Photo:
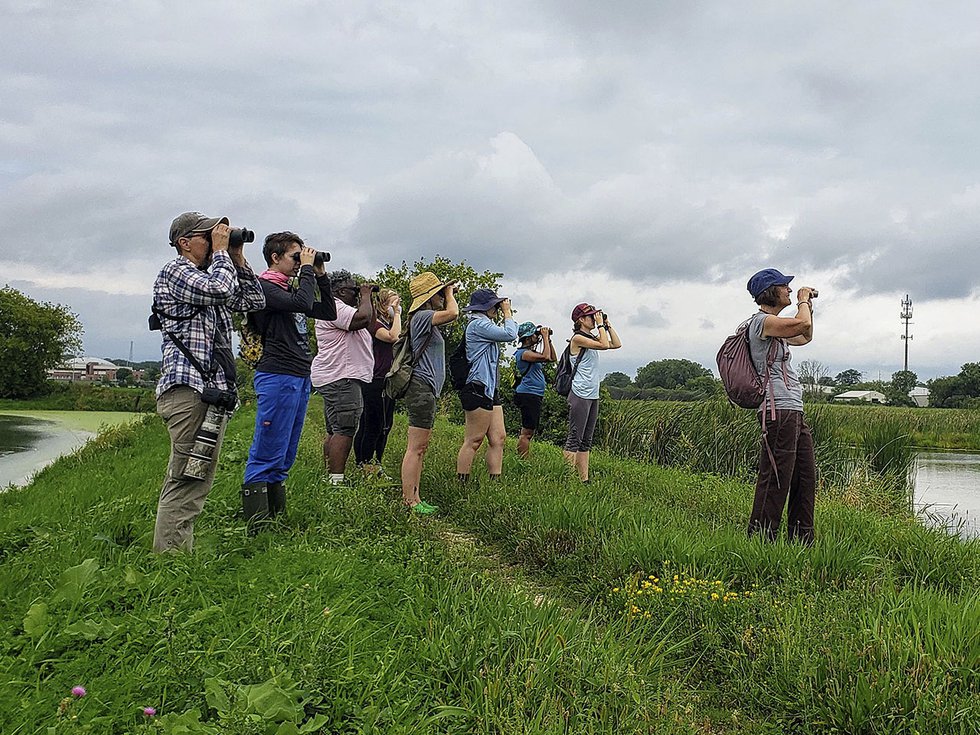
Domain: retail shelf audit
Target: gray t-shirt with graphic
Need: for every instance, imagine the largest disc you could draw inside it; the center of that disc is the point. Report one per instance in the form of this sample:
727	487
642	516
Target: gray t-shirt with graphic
788	393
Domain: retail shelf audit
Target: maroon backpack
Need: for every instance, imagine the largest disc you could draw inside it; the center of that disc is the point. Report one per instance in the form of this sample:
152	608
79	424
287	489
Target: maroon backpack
743	385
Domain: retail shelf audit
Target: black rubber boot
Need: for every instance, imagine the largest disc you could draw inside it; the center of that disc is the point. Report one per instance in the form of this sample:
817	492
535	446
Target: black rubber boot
255	501
277	498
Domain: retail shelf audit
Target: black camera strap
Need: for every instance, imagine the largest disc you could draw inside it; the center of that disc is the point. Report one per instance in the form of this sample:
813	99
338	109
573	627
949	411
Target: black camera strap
221	354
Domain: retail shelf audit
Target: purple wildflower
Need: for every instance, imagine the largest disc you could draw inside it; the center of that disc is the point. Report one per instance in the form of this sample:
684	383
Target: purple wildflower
149	712
78	691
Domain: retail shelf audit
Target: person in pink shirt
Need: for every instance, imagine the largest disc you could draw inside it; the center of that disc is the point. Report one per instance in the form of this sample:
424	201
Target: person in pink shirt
343	364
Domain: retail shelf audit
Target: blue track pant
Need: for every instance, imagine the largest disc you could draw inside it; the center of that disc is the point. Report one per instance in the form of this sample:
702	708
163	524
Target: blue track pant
282	402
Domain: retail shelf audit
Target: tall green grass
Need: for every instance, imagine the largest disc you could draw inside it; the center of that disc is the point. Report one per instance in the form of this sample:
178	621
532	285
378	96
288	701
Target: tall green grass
716	437
511	611
873	630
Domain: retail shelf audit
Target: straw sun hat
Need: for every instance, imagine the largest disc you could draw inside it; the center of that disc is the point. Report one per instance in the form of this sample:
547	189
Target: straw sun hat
423	287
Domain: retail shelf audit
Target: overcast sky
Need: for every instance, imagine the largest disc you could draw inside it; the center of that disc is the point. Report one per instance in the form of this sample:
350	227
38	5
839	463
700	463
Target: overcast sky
645	156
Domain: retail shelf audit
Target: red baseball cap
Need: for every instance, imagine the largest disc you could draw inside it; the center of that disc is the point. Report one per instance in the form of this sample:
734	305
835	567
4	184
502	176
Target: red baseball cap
583	310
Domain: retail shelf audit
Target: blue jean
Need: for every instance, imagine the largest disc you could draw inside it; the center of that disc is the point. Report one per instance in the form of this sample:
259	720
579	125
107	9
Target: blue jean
282	402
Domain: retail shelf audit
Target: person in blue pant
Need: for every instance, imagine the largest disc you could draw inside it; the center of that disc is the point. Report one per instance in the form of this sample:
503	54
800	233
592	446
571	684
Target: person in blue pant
480	396
534	352
282	375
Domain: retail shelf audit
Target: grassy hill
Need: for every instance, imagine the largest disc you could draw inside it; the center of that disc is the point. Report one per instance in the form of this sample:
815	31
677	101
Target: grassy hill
530	605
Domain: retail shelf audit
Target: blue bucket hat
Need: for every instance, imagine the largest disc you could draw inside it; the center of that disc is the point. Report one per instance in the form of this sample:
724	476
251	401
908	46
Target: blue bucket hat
526	329
483	299
766	278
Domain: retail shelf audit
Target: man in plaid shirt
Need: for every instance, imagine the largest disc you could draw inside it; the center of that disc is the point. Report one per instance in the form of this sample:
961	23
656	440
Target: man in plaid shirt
193	296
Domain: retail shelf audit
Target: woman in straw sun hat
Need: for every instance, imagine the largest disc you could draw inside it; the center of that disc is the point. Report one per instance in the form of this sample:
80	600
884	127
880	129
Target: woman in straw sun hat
433	305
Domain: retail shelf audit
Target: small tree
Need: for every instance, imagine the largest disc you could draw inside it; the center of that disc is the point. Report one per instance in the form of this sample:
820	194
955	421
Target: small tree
124	376
617	380
898	390
811	372
670	373
34	337
848	377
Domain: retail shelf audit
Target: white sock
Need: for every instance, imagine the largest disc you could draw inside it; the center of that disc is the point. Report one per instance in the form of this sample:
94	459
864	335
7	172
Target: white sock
337	479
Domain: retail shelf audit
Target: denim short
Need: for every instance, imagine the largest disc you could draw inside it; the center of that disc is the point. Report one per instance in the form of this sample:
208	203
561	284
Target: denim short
342	405
420	404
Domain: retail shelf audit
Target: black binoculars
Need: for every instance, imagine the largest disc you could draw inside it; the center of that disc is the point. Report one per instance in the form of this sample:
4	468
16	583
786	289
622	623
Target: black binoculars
238	236
319	259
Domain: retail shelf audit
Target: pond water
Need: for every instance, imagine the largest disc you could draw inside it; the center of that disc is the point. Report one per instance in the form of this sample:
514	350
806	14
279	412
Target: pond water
947	490
31	440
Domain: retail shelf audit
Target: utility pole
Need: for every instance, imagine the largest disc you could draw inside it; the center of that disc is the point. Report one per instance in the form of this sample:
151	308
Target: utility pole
907	318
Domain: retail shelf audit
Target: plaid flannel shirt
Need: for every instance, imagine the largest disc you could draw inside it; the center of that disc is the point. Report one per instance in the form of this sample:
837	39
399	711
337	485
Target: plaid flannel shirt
181	289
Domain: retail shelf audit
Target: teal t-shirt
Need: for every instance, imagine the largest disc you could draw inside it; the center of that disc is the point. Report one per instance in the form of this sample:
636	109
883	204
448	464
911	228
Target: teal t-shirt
533	372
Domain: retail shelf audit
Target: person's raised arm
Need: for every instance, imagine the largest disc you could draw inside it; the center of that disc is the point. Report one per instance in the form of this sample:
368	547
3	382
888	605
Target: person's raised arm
450	312
491	331
796	330
365	309
392	333
614	341
547	352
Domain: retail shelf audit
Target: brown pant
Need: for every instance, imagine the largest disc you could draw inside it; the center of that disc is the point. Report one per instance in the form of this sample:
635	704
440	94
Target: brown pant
795	476
182	498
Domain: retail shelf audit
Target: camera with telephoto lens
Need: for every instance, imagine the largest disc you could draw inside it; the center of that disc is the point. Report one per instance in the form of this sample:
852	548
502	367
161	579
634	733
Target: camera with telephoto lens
205	442
220	404
223	399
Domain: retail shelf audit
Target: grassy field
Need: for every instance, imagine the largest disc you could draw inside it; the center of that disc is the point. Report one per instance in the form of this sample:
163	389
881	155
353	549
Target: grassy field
530	605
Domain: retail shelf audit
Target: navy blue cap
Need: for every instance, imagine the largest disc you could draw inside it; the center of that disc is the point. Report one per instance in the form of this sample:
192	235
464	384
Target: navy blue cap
766	278
483	299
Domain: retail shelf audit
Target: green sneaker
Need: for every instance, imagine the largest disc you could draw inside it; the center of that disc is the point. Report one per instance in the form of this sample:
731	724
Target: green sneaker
423	509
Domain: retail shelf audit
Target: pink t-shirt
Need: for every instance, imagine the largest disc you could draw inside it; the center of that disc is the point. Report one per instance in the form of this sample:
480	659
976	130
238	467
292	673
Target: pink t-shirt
340	353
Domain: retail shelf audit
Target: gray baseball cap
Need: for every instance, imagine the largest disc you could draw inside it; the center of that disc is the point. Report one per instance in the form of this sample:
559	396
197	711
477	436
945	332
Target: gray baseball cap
190	222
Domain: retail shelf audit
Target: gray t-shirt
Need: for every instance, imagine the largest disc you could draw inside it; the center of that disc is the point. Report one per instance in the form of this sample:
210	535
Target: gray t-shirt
431	365
788	393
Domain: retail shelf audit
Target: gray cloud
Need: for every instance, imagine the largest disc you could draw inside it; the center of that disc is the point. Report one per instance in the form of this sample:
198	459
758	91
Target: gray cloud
670	142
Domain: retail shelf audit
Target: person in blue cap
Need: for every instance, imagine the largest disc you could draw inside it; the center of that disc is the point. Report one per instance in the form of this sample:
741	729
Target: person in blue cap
787	471
535	350
480	396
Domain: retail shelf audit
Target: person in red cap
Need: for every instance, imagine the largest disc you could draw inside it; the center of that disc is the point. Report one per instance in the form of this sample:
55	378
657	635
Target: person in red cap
592	333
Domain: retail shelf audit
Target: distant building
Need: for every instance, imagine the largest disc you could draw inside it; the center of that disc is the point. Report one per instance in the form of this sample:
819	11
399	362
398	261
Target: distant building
920	396
817	388
89	369
868	396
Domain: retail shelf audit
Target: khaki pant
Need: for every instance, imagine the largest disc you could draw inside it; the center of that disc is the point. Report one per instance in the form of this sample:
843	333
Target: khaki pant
181	499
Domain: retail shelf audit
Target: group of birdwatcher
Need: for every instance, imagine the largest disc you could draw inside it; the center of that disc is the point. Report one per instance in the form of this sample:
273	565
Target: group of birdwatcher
366	359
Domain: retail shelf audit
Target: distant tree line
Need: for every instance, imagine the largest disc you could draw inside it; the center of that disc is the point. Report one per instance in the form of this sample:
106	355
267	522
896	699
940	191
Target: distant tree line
665	380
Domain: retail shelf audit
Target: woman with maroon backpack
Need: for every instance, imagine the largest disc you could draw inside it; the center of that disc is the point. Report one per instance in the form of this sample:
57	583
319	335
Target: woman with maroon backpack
592	333
786	465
